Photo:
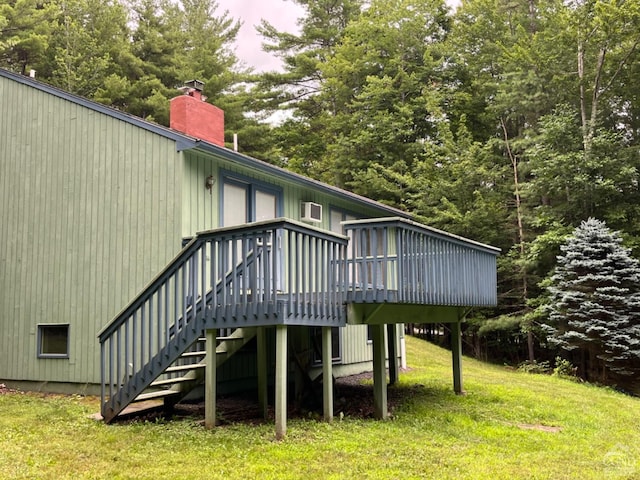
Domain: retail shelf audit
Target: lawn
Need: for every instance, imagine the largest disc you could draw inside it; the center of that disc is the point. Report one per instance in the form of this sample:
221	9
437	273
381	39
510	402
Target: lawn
509	425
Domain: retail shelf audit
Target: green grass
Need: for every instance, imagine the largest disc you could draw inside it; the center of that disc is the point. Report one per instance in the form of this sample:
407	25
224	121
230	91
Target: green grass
509	425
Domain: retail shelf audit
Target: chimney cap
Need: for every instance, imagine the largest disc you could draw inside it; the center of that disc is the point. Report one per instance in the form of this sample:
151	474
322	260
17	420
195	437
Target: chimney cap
195	84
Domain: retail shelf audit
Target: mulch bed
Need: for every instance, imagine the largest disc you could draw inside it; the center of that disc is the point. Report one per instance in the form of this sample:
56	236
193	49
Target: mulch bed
353	397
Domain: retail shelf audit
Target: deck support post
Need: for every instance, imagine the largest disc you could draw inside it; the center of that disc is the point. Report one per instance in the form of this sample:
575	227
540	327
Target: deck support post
210	379
392	339
281	382
261	339
379	373
456	354
327	375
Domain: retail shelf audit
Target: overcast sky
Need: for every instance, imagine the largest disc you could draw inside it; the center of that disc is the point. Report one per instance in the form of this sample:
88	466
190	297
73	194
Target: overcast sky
280	13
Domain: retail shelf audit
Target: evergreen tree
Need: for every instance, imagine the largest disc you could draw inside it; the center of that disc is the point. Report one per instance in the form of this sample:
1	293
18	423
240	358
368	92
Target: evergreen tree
594	302
25	29
87	38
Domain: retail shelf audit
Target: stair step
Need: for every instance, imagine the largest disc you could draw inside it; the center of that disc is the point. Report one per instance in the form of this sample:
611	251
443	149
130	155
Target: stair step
152	395
222	339
183	368
170	381
193	354
225	339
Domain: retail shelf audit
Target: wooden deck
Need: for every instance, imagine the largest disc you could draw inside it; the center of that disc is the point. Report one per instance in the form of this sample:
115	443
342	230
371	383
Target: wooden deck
280	273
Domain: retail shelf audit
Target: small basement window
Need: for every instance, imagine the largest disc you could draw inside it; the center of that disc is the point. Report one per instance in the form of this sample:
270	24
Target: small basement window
53	341
316	345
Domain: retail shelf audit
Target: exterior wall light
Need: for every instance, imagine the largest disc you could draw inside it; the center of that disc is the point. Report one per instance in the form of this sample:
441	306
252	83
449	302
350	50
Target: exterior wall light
209	183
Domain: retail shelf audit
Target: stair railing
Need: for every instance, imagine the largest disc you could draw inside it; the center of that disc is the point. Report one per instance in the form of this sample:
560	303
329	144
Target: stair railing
397	260
264	273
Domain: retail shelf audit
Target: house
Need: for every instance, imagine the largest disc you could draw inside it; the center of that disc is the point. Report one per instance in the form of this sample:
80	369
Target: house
140	261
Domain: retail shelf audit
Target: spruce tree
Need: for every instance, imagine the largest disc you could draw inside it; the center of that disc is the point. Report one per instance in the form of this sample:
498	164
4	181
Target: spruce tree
595	302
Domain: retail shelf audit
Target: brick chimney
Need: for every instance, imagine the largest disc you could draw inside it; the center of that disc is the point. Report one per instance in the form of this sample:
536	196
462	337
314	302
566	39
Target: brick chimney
191	115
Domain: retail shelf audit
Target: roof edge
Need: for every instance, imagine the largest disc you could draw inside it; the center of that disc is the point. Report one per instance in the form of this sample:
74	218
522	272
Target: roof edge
180	138
185	142
247	161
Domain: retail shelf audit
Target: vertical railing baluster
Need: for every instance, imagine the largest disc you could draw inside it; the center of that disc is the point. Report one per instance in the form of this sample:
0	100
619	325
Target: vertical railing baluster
313	261
386	265
237	284
223	265
143	337
449	269
400	269
411	259
183	296
111	367
304	274
246	279
291	254
167	310
275	264
266	264
323	266
342	277
159	320
193	286
374	256
443	262
118	357
152	323
213	275
333	283
103	376
299	279
125	327
203	283
428	262
363	260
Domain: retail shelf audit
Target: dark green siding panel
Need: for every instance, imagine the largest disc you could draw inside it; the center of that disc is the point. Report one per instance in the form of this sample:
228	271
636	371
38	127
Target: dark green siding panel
90	211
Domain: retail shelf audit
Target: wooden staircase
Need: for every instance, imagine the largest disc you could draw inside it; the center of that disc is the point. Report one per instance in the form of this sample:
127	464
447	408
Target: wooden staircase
232	280
187	372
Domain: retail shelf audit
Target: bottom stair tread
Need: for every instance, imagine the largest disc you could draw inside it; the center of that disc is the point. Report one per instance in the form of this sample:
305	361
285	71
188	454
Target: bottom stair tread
170	381
153	395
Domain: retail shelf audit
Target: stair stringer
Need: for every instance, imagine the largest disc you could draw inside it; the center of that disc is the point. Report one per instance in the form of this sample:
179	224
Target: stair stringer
182	334
140	380
225	350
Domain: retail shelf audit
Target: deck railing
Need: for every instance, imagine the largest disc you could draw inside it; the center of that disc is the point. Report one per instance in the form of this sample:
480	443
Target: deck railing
397	260
226	278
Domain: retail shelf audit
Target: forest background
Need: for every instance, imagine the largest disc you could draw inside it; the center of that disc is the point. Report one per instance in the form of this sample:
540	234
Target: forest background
511	122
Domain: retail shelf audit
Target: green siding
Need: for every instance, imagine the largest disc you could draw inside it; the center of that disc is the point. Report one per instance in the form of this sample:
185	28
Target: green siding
90	212
200	211
355	345
91	208
202	207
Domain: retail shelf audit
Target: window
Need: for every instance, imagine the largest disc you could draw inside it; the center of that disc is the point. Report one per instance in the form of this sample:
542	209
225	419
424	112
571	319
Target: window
243	200
316	344
53	341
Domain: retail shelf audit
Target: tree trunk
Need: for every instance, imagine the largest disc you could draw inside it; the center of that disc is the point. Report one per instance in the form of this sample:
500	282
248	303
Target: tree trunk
523	269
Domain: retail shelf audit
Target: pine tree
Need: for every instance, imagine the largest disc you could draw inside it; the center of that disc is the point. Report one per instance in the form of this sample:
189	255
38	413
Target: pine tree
595	302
